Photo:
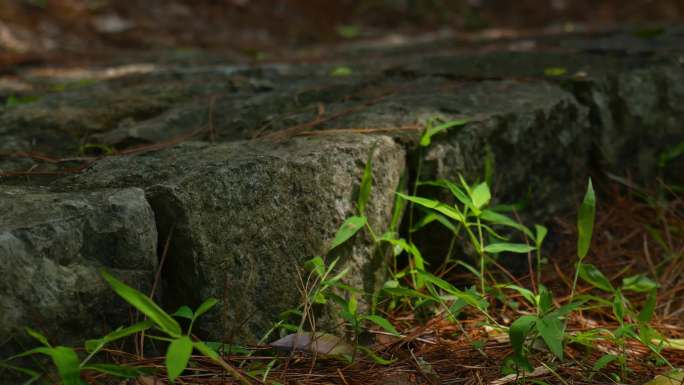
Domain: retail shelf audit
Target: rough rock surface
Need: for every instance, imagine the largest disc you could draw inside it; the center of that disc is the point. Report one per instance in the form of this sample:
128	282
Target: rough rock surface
241	215
52	246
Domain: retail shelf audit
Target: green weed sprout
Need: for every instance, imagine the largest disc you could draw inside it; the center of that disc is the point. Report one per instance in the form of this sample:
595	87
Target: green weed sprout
585	230
475	219
69	366
181	344
67	362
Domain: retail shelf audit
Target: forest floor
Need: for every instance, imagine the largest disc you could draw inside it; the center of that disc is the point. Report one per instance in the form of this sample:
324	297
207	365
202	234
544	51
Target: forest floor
634	234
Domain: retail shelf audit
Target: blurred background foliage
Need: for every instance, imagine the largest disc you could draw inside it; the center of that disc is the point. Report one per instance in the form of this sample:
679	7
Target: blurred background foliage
91	28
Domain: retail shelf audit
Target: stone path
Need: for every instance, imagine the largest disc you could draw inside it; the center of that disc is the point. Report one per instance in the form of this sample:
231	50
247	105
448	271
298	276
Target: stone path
249	171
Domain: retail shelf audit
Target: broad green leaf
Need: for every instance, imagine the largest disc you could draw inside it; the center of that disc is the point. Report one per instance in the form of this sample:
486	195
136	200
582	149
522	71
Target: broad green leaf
481	195
205	306
315	264
431	131
177	356
352	304
639	283
447	210
341	71
68	365
526	293
319	298
646	313
144	304
348	31
456	191
115	370
550	328
585	222
508	247
97	344
545	300
570	307
399	204
541	232
595	277
619	306
603	362
38	336
518	331
183	312
366	183
383	323
499	219
430	217
348	229
555	71
206	350
472	299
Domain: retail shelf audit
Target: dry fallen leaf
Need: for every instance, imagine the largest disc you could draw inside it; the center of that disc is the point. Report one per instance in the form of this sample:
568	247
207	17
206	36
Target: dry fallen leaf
675	377
538	372
320	343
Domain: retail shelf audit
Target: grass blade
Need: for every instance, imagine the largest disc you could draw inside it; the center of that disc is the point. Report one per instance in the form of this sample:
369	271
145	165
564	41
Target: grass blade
481	195
519	248
144	304
431	131
348	229
519	330
595	277
366	184
383	323
177	356
585	221
447	210
551	330
68	365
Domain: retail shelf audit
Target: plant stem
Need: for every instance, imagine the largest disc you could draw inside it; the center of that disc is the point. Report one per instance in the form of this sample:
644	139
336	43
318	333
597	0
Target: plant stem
415	190
574	281
538	267
481	248
482	256
480	253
